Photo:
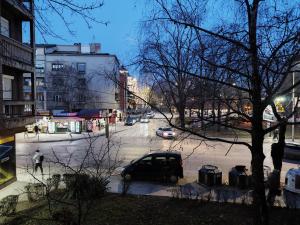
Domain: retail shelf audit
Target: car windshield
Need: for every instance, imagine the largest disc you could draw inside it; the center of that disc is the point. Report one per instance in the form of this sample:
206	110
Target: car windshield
167	129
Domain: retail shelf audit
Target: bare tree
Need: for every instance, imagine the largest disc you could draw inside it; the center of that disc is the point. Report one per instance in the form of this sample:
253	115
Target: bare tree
173	46
252	52
45	10
68	88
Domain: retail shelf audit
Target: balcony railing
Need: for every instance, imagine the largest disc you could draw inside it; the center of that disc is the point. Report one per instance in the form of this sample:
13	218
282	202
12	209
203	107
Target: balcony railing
11	49
22	6
17	114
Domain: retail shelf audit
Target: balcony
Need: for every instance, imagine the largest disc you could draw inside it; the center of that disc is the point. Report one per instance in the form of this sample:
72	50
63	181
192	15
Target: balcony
21	6
15	54
17	114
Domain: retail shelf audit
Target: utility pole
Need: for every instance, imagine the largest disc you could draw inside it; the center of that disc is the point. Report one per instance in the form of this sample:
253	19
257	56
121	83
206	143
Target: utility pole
293	107
108	139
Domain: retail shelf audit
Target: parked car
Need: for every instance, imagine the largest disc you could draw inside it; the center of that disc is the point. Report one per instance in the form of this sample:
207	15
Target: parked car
291	191
165	132
150	115
155	166
129	121
292	151
144	119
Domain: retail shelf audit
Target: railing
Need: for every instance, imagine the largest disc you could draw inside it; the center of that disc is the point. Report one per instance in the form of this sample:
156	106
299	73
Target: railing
21	5
16	51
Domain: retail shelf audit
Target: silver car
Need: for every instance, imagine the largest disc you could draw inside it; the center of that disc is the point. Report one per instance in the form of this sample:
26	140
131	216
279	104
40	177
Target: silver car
165	132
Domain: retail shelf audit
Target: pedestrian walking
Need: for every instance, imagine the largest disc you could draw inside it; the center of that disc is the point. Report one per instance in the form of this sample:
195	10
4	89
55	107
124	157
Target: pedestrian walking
36	130
38	159
275	134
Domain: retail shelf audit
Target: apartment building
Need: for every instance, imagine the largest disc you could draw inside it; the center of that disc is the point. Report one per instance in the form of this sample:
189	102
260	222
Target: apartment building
16	58
132	86
75	77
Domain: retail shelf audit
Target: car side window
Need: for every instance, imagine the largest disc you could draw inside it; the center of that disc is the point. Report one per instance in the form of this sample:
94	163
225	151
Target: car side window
172	160
160	160
146	161
159	129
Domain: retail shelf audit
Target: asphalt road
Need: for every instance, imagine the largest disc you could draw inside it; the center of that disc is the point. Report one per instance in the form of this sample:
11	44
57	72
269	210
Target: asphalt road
131	142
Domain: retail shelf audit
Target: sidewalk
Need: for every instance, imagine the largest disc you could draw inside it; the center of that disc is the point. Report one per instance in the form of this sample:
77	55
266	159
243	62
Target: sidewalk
185	189
45	138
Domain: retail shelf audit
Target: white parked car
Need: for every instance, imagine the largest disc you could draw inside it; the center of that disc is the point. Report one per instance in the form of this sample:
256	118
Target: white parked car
165	132
150	115
144	120
291	191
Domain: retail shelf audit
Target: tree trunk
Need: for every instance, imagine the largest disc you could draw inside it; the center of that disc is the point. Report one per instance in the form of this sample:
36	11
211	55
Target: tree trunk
202	114
257	164
181	117
277	152
219	116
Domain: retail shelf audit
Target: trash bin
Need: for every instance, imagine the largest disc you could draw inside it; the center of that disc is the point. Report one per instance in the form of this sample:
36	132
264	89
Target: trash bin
210	175
239	177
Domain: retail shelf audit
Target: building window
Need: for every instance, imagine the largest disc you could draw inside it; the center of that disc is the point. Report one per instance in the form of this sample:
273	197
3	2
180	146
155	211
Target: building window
40	82
27	108
40	96
81	67
7	87
27	96
4	27
57	98
57	67
39	69
27	82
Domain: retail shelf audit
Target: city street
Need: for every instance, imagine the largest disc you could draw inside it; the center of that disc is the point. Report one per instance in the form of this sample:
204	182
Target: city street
135	141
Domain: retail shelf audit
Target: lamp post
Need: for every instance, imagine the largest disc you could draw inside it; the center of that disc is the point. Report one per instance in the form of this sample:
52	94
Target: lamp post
293	107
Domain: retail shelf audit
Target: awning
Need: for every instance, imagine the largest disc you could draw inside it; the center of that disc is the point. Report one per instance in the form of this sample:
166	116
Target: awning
90	113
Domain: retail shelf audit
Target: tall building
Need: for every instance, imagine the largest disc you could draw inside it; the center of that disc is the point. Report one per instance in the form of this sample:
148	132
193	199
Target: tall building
75	77
132	87
16	58
123	89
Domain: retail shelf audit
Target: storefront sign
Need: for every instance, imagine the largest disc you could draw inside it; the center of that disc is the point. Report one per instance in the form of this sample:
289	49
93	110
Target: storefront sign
78	127
72	127
51	127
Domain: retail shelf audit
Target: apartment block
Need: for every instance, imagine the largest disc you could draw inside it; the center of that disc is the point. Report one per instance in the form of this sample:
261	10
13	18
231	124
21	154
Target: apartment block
16	59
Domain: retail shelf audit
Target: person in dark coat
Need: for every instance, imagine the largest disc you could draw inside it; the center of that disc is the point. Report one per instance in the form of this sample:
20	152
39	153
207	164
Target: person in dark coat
36	130
277	151
275	134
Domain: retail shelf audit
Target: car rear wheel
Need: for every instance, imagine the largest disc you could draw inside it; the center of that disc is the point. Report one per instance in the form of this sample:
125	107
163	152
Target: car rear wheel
173	179
127	177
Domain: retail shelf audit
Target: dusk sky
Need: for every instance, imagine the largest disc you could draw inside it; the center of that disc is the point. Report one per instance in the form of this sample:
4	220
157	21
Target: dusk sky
118	37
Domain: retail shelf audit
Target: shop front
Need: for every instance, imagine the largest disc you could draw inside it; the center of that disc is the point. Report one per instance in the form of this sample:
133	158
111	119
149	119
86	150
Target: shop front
7	160
94	119
65	125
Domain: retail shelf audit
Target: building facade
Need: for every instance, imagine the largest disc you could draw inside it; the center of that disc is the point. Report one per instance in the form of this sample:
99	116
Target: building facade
75	77
17	46
132	87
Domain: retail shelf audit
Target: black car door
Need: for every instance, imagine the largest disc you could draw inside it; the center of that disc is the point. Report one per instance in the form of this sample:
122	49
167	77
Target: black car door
159	167
143	168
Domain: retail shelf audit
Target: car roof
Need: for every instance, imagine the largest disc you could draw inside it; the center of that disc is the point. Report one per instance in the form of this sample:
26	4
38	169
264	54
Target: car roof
160	152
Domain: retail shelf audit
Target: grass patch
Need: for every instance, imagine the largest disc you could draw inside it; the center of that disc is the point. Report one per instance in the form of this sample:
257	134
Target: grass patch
149	210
